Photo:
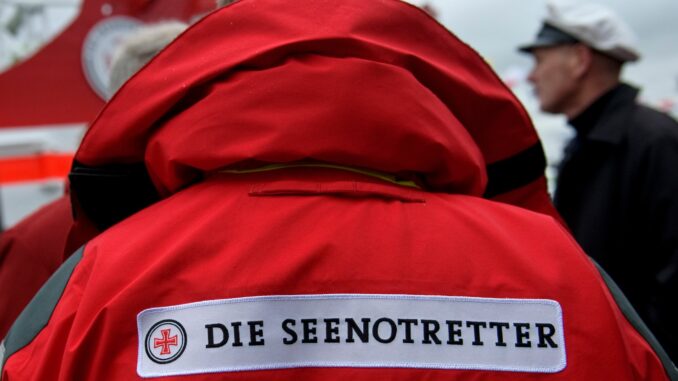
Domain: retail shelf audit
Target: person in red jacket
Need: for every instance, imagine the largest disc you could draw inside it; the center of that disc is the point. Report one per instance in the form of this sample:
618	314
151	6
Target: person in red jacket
322	190
32	250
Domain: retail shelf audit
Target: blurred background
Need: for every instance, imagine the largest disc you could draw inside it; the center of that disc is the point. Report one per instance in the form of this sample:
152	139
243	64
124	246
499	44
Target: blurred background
495	27
54	56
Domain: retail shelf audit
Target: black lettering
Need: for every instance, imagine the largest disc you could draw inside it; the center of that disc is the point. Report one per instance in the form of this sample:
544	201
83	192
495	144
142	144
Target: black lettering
210	335
293	335
431	328
391	337
454	333
476	331
332	330
236	334
309	331
352	327
500	332
546	337
256	335
522	335
408	329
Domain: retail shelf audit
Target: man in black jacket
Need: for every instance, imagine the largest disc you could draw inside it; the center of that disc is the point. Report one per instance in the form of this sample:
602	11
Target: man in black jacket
617	187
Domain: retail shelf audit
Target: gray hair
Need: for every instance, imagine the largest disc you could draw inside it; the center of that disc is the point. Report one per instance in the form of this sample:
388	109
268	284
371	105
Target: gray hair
223	3
138	48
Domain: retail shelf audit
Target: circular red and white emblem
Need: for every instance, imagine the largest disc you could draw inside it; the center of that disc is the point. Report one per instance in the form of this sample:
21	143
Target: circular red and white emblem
165	341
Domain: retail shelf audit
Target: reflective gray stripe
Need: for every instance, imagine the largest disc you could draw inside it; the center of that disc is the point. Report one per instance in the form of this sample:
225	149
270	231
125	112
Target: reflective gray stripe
38	312
2	355
638	323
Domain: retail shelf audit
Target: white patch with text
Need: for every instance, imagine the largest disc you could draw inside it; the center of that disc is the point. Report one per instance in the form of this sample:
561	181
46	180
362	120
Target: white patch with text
352	330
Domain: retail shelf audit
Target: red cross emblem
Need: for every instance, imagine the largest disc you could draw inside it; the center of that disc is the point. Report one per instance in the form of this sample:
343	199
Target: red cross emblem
165	342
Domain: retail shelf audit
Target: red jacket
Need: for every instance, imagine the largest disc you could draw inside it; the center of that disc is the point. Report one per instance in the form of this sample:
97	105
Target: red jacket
31	251
322	173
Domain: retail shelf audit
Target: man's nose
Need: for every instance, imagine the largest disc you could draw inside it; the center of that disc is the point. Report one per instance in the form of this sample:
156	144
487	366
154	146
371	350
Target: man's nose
532	76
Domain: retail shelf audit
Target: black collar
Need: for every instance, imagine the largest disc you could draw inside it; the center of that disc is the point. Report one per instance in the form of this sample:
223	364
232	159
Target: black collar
604	119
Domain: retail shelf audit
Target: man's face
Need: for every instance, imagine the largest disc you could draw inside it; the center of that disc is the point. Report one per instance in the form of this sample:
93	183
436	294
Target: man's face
553	77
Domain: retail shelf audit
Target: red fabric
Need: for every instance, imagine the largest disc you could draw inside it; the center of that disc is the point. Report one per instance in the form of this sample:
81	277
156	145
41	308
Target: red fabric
368	84
228	243
453	87
31	251
50	87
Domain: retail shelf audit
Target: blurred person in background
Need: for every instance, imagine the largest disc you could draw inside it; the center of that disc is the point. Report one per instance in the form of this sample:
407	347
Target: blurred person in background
223	3
322	190
33	249
139	47
617	187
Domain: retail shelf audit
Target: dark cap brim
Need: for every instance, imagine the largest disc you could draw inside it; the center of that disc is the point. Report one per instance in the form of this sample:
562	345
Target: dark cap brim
548	36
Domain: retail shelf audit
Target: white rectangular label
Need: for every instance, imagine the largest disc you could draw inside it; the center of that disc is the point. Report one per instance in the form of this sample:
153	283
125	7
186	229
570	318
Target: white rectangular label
352	330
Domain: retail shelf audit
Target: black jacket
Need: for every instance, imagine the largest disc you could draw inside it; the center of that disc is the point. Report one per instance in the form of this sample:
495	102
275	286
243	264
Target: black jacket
617	190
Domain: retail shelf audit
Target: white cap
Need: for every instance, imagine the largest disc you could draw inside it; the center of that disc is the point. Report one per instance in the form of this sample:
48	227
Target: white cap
593	25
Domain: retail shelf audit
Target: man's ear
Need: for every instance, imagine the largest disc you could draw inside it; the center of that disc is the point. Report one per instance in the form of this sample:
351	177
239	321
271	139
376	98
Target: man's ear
582	57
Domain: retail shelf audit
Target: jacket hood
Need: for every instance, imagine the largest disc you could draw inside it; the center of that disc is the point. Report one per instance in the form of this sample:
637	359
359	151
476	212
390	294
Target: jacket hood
371	84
